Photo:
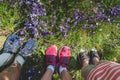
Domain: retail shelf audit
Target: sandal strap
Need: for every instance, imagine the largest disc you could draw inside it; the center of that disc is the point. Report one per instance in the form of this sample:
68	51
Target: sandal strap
81	57
92	54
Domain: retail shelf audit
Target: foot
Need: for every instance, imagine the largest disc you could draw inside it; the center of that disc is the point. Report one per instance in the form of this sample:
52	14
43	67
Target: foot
51	54
28	48
83	59
64	56
11	44
94	57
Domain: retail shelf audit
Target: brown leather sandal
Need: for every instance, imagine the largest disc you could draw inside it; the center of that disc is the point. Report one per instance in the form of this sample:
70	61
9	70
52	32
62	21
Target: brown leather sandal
81	57
93	53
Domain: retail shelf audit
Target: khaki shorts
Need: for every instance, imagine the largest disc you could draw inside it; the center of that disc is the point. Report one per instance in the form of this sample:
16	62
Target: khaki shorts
86	70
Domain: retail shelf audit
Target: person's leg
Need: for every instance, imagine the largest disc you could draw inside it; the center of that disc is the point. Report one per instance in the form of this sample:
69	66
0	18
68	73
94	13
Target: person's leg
13	71
95	60
5	58
50	54
64	59
83	60
11	45
94	57
65	75
47	75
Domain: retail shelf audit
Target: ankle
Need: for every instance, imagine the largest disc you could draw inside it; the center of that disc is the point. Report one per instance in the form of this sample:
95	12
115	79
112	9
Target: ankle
85	63
95	60
51	67
19	59
61	69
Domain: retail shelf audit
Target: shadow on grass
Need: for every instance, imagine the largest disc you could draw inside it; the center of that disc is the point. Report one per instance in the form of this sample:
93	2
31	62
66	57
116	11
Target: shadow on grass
33	68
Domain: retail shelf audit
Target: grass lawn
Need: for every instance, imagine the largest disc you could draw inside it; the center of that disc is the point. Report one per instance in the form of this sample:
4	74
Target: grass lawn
105	38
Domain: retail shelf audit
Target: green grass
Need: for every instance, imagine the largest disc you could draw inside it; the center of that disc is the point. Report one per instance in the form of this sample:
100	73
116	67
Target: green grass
9	16
105	38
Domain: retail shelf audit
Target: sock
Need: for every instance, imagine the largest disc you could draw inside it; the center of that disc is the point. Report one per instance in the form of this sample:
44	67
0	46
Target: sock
51	67
62	69
19	59
5	58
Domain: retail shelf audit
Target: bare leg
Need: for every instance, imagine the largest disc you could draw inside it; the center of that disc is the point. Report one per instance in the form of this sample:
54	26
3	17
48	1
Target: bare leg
47	75
85	64
95	60
51	53
65	75
11	73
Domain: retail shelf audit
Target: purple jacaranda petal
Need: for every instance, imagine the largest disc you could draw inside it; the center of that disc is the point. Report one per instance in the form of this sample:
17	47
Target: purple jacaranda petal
45	32
53	23
100	16
54	17
30	78
75	22
45	44
84	27
28	2
35	32
90	19
83	17
62	29
68	19
102	11
21	32
21	39
113	13
64	35
28	26
98	4
91	26
66	26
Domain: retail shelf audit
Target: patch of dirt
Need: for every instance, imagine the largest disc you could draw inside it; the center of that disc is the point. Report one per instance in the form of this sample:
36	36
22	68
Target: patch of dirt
2	40
4	32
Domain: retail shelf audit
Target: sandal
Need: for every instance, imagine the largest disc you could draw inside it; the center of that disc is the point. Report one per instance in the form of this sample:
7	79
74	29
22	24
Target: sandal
81	57
93	53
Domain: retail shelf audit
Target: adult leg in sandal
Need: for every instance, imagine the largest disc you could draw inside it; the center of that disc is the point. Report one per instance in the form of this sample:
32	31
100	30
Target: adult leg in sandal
83	60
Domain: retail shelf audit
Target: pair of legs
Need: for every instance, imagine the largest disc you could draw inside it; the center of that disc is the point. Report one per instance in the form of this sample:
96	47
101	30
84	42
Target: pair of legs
10	49
64	58
11	73
99	70
48	75
88	61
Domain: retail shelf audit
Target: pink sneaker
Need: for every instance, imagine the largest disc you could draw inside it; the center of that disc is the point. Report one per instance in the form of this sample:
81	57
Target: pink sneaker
51	54
64	56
